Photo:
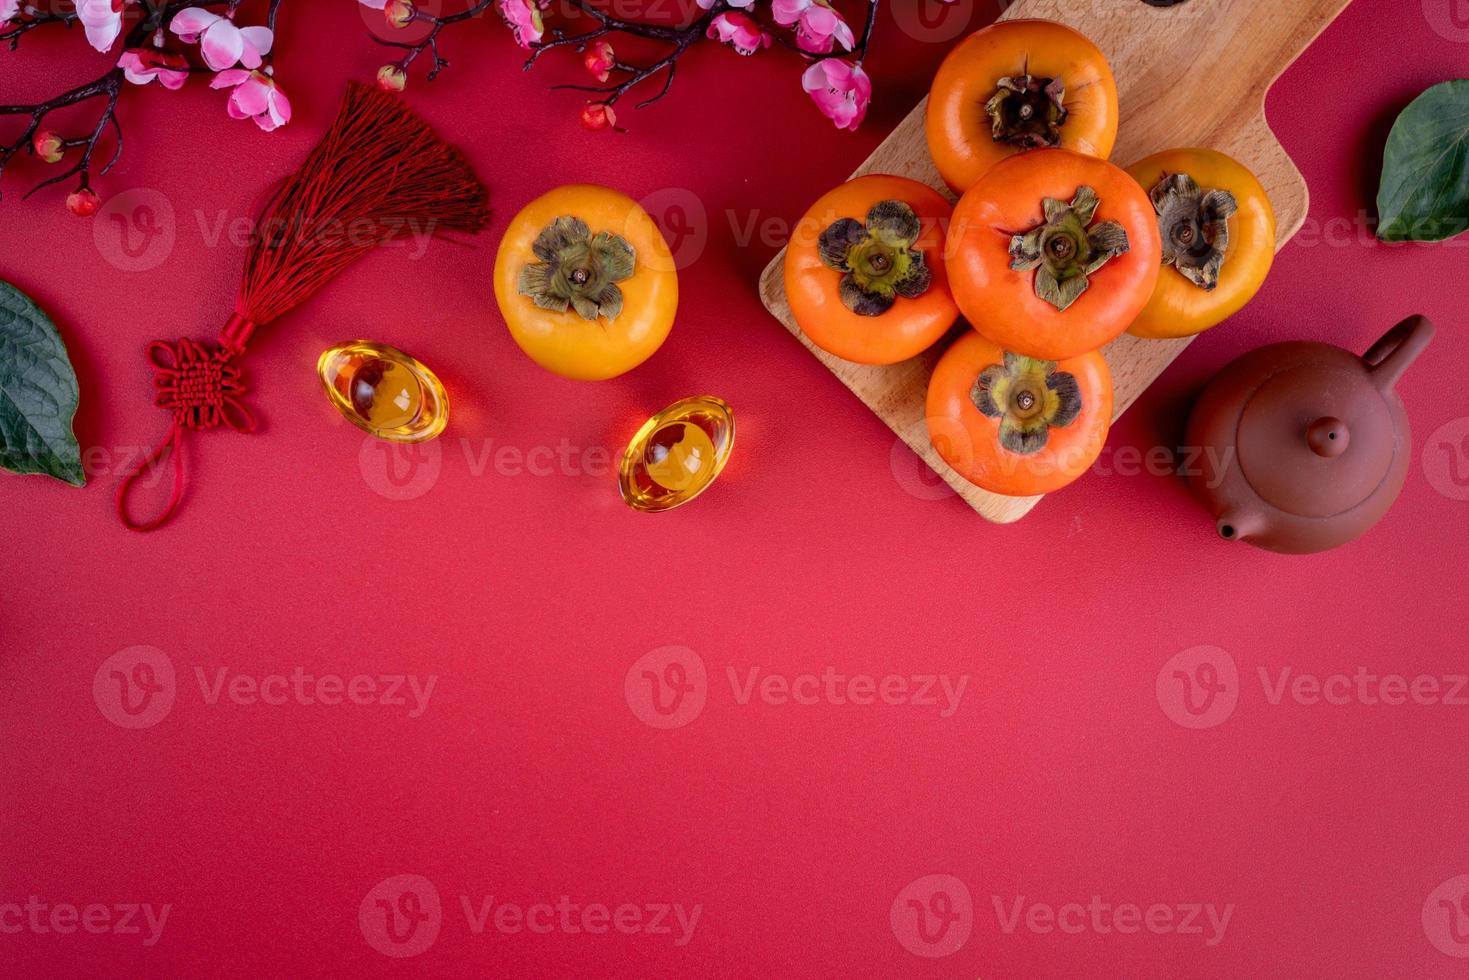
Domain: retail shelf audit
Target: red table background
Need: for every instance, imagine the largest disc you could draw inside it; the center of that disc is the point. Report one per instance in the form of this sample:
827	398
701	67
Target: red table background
529	592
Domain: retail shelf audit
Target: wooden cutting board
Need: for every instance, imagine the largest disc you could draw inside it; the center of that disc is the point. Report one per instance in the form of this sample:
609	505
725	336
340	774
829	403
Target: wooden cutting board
1195	74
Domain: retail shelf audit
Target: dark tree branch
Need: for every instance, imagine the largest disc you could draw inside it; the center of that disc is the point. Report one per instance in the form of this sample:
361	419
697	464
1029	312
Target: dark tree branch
20	28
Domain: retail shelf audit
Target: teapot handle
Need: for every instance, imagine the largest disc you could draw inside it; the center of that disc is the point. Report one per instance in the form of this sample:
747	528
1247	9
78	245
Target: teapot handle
1398	348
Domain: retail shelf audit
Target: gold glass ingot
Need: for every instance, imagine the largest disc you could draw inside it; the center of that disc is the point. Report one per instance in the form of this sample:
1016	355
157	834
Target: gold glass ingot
676	454
384	391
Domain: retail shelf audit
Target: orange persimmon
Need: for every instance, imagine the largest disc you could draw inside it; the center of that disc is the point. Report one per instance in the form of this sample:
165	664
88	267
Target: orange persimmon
1053	253
1218	234
1018	425
1015	86
864	271
586	282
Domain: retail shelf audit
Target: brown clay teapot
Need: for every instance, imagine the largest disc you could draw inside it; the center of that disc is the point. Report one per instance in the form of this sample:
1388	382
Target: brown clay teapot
1301	447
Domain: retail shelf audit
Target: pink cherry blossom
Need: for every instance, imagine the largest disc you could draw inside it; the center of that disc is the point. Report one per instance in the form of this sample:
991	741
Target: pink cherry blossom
741	4
102	21
817	25
840	90
524	20
224	45
739	31
142	65
8	10
255	96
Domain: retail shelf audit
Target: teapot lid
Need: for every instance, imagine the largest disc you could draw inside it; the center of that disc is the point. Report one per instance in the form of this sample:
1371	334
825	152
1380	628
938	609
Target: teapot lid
1318	438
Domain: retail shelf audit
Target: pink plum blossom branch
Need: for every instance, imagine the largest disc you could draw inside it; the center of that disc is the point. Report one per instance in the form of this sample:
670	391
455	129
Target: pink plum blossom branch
142	58
818	29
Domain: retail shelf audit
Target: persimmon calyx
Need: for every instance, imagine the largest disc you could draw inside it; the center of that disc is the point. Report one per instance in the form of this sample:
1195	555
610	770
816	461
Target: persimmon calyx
1066	248
1194	224
578	270
877	259
1029	396
1028	112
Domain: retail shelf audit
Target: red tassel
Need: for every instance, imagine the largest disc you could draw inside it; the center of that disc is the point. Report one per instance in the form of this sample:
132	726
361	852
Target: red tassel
379	174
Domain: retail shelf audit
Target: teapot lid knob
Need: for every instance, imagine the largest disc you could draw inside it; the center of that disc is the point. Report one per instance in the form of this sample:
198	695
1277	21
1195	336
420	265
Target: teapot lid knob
1328	437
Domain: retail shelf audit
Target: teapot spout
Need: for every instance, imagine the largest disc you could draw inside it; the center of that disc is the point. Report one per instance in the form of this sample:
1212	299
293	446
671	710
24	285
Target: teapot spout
1237	526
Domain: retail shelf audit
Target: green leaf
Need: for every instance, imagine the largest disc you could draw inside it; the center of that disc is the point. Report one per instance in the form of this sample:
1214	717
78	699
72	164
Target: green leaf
1424	196
38	393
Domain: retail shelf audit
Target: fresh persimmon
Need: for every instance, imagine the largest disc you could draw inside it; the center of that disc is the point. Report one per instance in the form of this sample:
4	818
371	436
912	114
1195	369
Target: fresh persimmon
864	270
1053	253
1218	233
1018	425
1015	86
586	282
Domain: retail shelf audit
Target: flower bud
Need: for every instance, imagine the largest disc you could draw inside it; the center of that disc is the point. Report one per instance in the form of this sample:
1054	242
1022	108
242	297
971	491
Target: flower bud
599	60
49	146
391	78
598	115
400	13
82	202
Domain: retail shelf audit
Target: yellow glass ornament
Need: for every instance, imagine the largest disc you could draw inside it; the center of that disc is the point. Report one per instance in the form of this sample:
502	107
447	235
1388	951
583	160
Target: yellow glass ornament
384	391
676	454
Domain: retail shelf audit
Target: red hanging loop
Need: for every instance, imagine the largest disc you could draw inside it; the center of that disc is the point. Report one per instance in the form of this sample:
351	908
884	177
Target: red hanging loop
172	442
